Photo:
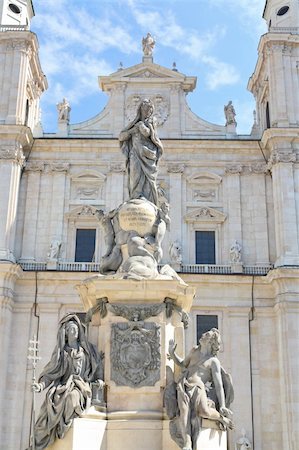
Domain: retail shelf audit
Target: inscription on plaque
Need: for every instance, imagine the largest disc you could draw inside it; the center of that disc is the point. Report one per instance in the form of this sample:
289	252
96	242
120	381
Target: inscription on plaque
138	217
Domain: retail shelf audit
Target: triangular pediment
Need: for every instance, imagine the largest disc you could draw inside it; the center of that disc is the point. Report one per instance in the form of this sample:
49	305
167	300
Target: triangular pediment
205	214
82	211
147	71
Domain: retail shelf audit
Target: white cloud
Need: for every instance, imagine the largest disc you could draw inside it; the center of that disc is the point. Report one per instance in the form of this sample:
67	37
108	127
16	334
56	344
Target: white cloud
248	11
221	73
189	42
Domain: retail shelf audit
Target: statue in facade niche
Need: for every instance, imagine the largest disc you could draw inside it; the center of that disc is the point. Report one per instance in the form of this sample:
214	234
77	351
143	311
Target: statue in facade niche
243	443
143	149
175	252
54	251
75	369
64	110
235	252
203	391
230	113
148	44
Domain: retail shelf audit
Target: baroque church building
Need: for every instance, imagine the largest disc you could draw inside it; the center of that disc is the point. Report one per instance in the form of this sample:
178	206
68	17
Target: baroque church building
233	235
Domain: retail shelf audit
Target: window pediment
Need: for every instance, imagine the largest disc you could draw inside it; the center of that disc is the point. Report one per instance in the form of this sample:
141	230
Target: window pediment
82	212
205	214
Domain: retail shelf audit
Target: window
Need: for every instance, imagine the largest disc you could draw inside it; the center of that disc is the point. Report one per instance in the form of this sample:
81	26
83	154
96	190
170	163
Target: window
282	11
205	247
85	244
204	323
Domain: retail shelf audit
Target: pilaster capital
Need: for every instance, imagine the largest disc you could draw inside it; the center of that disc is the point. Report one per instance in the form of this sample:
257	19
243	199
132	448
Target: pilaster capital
176	168
258	168
13	152
58	166
35	166
234	169
117	168
279	156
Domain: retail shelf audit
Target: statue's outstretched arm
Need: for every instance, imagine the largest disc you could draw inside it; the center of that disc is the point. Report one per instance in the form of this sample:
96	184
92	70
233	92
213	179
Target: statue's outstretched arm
217	379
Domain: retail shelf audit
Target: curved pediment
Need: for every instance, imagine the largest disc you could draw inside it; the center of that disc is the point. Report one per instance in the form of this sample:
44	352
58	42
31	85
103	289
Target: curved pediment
205	214
89	176
204	178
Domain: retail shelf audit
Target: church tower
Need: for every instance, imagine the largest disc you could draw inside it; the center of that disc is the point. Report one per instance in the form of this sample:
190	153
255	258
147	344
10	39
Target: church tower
275	80
275	86
21	85
16	13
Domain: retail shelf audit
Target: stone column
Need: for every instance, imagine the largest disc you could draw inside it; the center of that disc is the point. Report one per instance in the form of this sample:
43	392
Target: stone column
59	171
281	164
233	195
31	210
11	162
175	195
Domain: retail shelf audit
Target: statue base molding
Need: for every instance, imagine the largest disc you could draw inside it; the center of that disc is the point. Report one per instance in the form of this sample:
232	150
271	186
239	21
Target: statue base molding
125	433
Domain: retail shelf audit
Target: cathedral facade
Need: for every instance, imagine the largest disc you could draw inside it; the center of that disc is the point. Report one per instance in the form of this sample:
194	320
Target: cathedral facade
234	211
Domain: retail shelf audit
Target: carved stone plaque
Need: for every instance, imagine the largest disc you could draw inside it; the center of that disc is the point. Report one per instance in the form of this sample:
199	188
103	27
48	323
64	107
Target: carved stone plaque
137	215
135	354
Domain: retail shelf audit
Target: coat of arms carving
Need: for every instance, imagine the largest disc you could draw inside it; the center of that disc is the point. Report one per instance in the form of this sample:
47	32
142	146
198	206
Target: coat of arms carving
135	354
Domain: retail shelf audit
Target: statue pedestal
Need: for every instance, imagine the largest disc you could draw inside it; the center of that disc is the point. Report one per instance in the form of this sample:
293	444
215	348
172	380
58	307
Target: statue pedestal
135	324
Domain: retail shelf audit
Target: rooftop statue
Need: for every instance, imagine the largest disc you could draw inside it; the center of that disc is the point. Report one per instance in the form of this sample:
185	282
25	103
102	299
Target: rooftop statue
64	110
148	44
74	365
143	149
230	113
203	390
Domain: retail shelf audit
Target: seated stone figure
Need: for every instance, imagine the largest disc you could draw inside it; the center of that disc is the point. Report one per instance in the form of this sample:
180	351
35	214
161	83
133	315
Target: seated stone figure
74	365
203	390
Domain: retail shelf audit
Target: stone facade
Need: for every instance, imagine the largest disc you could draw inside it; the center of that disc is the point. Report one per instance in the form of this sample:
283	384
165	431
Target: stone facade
244	188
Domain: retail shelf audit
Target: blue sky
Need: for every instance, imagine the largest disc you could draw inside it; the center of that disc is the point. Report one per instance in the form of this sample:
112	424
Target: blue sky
215	40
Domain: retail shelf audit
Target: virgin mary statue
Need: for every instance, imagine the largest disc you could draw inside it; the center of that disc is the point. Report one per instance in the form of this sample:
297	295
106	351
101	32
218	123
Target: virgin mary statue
142	148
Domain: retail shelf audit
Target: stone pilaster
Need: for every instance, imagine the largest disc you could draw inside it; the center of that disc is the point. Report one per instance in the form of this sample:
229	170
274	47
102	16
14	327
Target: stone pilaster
8	276
259	207
176	119
175	194
239	344
233	195
285	282
281	164
31	211
59	170
11	162
277	92
115	183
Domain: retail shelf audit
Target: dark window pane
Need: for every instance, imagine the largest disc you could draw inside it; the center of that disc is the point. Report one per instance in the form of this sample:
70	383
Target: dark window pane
205	323
205	247
85	245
